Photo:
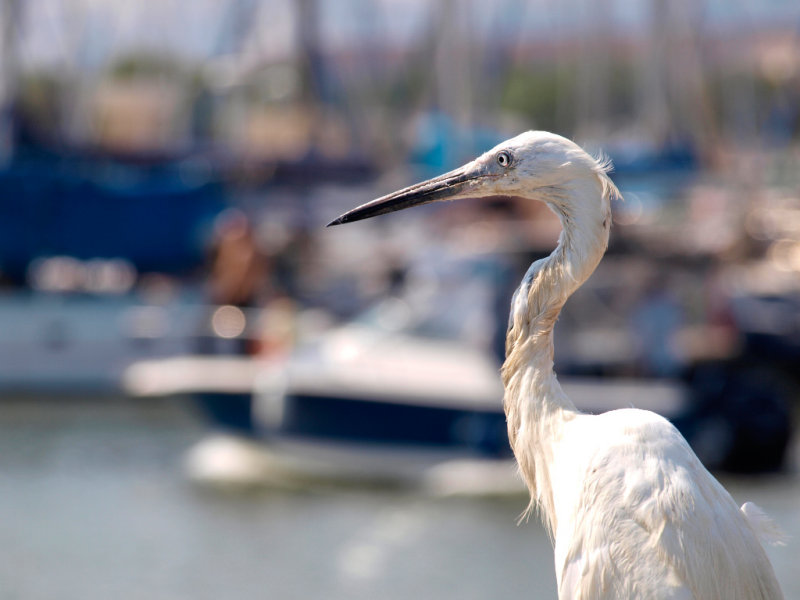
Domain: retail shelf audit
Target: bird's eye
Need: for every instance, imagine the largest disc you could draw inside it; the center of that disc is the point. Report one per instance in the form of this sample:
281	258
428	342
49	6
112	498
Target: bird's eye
503	158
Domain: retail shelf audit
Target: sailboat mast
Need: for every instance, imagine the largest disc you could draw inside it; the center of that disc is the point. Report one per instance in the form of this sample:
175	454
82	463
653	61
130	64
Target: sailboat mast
9	10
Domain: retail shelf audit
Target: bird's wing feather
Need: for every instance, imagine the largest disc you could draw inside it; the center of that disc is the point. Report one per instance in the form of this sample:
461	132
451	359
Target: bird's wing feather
650	521
766	529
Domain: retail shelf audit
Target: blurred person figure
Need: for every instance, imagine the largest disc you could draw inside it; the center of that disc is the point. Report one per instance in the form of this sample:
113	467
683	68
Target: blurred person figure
238	267
238	280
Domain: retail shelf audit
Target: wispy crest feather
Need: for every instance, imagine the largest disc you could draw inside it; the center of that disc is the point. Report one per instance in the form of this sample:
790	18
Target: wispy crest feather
604	166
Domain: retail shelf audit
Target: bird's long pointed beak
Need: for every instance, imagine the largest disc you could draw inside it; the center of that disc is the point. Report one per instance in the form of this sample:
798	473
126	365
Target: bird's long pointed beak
450	186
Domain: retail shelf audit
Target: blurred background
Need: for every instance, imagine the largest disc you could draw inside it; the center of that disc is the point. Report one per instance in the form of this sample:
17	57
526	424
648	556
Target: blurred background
204	393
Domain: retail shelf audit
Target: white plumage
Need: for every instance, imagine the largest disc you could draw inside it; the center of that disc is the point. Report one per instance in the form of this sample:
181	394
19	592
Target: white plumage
631	510
648	521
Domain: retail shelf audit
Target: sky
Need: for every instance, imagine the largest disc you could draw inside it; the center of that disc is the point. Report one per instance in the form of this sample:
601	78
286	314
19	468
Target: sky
86	34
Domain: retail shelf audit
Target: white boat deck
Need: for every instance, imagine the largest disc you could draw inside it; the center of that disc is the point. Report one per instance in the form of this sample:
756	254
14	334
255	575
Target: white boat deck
483	391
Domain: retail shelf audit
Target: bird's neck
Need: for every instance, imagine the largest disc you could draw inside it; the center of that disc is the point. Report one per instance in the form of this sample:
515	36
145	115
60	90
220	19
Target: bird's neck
536	407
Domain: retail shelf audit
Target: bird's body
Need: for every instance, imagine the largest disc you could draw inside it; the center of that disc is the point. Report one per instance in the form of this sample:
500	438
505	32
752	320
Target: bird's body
631	510
644	519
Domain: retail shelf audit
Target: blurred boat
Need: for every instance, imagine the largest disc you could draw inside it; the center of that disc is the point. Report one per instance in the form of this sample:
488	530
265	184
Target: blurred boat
383	398
365	403
92	209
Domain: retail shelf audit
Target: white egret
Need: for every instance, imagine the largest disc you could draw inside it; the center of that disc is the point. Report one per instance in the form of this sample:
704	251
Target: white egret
631	510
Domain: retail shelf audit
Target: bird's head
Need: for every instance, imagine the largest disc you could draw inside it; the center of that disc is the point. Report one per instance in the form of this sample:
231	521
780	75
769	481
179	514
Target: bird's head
533	164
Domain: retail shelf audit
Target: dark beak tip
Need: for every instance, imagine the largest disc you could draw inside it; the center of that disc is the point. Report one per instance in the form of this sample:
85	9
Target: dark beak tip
337	221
